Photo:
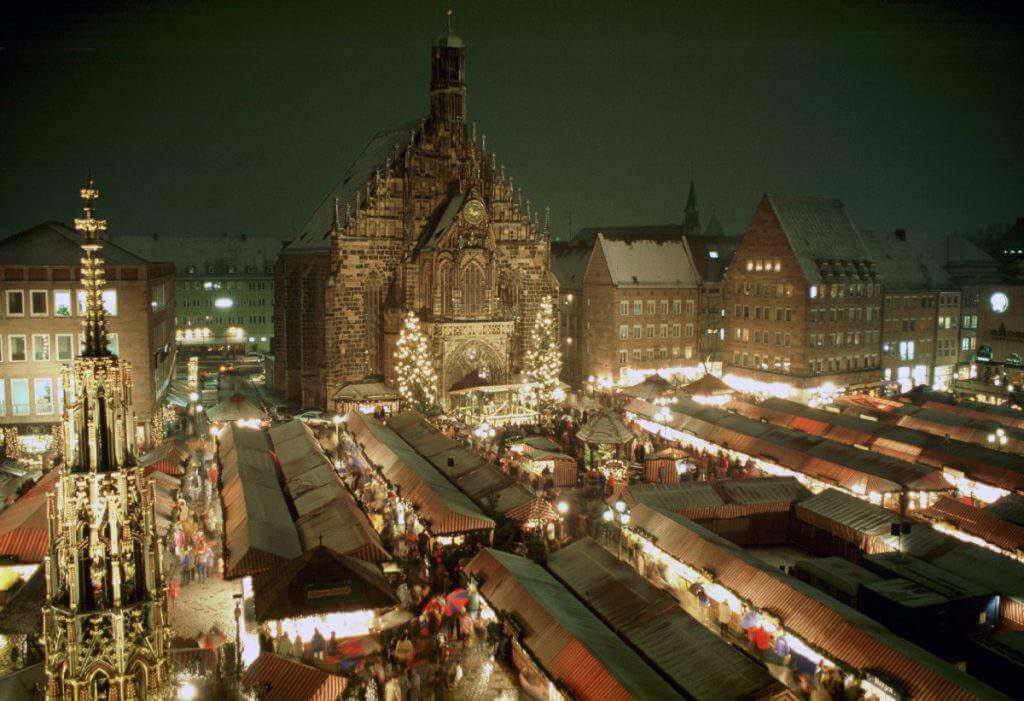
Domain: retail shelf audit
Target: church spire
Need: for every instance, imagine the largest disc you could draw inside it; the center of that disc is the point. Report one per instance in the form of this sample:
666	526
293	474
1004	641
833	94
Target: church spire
336	224
93	278
691	217
448	78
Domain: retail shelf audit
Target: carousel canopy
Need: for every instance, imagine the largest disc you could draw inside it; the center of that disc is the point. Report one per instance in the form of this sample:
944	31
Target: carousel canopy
320	582
235	408
366	392
605	428
706	386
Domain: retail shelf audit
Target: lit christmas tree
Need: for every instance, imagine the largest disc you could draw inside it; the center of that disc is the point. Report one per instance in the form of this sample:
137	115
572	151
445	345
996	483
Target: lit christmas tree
544	359
417	381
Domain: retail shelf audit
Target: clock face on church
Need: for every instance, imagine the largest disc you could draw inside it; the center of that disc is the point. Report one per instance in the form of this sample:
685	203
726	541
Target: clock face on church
474	212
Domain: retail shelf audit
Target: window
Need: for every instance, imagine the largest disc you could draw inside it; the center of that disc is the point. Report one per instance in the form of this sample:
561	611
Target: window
675	330
109	302
650	307
112	345
623	357
786	340
17	349
3	399
638	308
650	331
675	351
15	303
649	354
636	331
691	307
624	331
157	296
789	314
62	303
663	306
40	347
677	306
624	308
663	353
757	312
39	301
474	290
65	347
689	330
44	395
638	354
689	352
906	350
19	397
663	331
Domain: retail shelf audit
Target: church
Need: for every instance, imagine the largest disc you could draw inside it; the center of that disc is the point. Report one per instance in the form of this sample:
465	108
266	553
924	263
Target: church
424	220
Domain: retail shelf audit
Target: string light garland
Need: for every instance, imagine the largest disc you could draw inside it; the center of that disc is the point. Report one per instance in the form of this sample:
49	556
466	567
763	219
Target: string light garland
414	368
543	362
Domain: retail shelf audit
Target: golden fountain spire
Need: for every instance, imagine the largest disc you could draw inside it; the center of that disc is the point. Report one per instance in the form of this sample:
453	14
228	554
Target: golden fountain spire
93	279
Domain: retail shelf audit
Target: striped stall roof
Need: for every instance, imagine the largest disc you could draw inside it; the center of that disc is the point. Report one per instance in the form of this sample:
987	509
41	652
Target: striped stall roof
982	523
852	519
570	642
326	512
847	635
699	663
446	509
24	532
273	678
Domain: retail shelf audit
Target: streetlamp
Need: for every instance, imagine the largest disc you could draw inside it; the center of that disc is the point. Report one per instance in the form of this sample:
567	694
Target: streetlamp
338	420
998	439
238	636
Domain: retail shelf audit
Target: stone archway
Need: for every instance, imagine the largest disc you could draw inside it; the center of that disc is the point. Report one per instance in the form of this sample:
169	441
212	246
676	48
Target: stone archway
475	356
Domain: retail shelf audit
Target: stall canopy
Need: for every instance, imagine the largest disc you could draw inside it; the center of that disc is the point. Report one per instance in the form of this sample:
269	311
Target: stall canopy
823	622
167	458
24	532
320	582
325	510
446	509
258	530
650	388
981	523
702	500
366	392
235	408
706	386
491	489
605	428
571	643
273	678
699	663
851	519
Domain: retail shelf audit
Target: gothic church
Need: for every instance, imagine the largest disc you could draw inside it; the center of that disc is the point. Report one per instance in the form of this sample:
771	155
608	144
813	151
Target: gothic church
424	220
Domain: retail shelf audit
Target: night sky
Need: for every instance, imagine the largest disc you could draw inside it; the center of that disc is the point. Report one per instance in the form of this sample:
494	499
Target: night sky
240	117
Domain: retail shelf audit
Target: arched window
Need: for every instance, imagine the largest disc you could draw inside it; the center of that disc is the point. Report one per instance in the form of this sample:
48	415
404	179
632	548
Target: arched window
444	285
474	289
373	298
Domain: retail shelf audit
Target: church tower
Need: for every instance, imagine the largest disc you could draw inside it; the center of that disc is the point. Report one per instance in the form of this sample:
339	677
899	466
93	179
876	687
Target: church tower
691	217
448	80
105	616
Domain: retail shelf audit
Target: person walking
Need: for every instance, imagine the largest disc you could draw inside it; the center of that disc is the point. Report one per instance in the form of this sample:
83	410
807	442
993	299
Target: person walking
283	646
317	644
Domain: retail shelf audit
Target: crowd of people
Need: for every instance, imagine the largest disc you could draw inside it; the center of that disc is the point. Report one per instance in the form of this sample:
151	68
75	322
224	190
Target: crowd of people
194	535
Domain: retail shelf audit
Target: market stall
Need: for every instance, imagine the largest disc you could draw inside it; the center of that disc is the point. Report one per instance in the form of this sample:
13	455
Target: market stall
366	397
606	437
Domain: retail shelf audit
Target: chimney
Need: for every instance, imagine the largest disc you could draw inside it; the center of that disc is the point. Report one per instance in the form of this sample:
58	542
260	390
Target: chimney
901	234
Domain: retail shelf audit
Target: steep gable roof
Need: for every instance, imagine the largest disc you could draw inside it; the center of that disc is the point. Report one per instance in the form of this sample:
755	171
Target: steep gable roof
53	243
316	233
649	262
818	230
636	231
909	263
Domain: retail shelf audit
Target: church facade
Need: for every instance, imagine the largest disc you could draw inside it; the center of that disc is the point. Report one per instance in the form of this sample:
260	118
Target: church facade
425	220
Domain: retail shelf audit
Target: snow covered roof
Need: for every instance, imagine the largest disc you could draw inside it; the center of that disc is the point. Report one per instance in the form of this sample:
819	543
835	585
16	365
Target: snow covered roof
53	243
649	262
238	253
910	263
448	215
569	263
820	229
635	231
315	233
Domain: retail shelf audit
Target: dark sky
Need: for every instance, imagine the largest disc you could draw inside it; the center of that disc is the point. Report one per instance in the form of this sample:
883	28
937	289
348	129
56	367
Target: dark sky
239	117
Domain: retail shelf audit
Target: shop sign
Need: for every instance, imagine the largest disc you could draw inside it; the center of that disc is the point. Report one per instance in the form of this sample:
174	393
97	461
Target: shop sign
326	592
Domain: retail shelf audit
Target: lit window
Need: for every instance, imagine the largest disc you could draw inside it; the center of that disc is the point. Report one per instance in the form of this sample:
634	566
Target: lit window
39	300
65	347
15	303
19	398
712	254
112	344
813	291
43	387
224	303
3	399
40	347
17	349
62	303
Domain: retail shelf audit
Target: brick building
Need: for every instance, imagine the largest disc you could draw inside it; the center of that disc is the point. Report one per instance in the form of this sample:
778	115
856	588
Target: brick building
640	309
41	323
802	301
920	311
424	220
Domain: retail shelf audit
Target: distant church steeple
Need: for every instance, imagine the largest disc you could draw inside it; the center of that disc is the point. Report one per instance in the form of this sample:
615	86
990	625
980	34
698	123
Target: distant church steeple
448	79
691	217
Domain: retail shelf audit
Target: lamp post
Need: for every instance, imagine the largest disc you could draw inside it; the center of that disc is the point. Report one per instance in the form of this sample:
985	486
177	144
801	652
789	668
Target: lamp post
998	439
238	637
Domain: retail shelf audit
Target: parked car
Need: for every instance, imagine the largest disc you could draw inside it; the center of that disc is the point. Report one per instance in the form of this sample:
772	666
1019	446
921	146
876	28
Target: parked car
313	416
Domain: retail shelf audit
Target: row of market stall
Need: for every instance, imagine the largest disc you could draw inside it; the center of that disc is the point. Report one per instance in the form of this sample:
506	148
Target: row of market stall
818	462
979	472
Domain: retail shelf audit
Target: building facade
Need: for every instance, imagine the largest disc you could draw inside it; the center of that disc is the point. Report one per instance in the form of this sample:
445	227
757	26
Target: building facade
569	264
424	221
802	302
920	312
224	288
640	310
43	306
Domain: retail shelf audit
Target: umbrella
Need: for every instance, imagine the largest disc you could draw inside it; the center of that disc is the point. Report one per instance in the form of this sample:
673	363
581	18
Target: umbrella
358	647
749	620
456	602
432	604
